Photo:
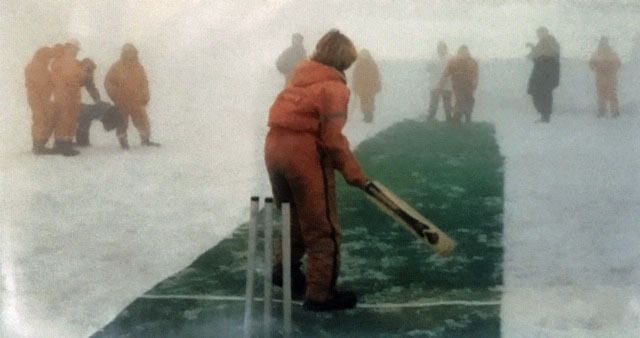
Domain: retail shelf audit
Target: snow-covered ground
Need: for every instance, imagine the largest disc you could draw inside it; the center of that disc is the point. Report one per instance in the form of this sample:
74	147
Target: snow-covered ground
82	237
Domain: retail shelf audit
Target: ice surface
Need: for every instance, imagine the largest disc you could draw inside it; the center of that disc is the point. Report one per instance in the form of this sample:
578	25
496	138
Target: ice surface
83	237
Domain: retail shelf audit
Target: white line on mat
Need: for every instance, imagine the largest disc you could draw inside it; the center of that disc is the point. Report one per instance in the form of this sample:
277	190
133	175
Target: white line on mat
365	305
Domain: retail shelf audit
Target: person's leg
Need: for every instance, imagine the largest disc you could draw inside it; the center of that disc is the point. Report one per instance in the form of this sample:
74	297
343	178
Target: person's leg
448	108
434	102
602	102
140	120
121	129
367	105
41	109
66	125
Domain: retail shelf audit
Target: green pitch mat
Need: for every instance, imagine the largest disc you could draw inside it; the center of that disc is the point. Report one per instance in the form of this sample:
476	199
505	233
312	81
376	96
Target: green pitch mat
451	174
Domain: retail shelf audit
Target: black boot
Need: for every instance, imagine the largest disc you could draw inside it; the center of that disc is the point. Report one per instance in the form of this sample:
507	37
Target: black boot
124	143
338	300
40	149
65	148
82	138
145	142
298	280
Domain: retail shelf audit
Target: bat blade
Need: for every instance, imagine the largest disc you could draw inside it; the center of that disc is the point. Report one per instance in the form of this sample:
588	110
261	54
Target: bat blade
412	220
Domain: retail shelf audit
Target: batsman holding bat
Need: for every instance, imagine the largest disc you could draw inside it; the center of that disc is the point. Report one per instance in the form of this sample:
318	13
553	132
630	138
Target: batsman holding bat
304	146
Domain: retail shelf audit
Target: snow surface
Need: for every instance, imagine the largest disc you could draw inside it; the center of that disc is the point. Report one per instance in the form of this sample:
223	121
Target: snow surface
83	237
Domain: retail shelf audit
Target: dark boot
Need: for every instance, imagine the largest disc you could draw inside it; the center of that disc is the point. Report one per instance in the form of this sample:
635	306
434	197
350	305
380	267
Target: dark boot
145	142
338	300
82	138
124	143
65	148
298	280
40	149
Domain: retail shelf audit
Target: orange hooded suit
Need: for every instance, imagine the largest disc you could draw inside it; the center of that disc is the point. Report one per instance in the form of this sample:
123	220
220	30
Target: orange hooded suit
366	83
39	90
67	75
606	63
127	86
463	71
303	147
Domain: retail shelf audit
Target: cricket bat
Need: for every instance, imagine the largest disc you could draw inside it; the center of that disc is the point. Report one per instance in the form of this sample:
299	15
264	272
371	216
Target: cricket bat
412	220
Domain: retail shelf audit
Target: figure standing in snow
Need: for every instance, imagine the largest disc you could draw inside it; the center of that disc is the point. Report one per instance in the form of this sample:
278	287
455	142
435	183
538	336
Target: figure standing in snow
127	86
606	63
545	75
304	146
366	83
439	89
88	112
462	70
67	76
291	57
39	86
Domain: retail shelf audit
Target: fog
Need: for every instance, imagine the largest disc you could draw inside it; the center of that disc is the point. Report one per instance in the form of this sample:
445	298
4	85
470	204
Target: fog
212	79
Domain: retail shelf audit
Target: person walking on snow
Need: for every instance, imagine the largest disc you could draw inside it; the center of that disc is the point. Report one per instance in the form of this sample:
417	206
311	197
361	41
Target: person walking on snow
67	76
127	86
366	83
438	89
39	86
291	57
545	75
606	63
462	70
304	146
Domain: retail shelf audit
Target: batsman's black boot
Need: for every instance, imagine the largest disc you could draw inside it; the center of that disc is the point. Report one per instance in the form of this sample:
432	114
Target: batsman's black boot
338	300
82	138
298	280
145	142
40	149
124	143
65	148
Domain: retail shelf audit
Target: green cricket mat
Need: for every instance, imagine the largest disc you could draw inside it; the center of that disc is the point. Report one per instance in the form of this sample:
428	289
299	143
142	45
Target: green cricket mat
452	174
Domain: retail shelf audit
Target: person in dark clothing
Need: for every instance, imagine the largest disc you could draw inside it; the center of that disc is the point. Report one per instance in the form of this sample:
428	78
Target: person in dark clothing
545	75
291	57
103	111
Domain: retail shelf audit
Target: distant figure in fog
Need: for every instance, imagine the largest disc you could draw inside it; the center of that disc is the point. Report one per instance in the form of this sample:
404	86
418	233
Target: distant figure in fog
462	70
67	75
545	75
606	63
366	83
304	146
291	57
39	86
440	89
127	86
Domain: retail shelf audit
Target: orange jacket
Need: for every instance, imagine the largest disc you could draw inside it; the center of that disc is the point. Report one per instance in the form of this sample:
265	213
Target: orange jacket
38	80
316	102
126	84
463	70
67	75
606	64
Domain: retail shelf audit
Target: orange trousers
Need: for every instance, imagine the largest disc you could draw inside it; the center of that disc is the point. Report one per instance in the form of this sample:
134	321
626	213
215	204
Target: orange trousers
302	175
139	117
41	116
607	95
67	106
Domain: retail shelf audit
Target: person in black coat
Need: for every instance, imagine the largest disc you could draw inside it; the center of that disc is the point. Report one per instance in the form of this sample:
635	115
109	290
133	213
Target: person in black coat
545	76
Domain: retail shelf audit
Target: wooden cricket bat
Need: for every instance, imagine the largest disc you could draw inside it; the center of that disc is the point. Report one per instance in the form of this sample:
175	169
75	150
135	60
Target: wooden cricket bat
417	224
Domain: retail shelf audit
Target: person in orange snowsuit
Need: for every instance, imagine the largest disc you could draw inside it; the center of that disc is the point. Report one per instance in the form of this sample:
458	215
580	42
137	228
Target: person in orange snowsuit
463	72
606	63
303	147
127	86
366	83
39	86
67	75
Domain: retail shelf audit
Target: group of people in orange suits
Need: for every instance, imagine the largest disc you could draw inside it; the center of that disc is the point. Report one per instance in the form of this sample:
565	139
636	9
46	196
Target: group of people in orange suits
54	79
